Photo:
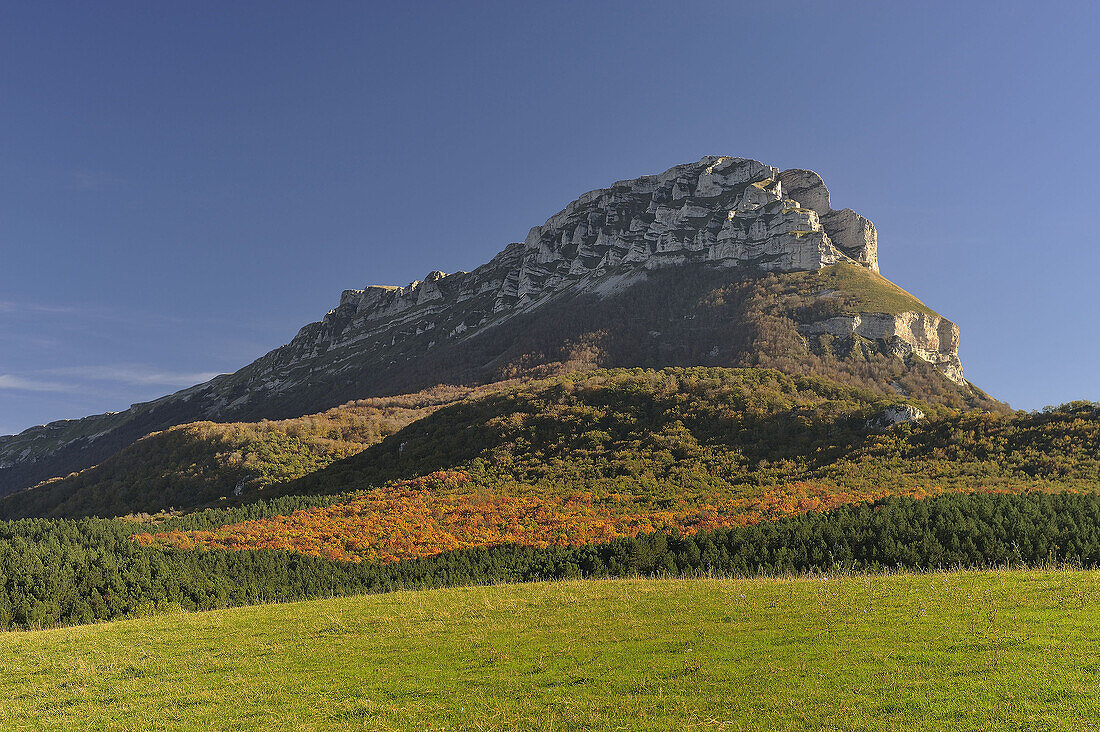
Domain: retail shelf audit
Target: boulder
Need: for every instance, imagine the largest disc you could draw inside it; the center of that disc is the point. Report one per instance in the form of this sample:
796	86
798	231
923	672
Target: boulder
895	415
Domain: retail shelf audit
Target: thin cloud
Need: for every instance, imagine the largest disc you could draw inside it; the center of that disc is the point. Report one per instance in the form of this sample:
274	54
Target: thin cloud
28	342
30	311
95	180
9	306
134	375
19	383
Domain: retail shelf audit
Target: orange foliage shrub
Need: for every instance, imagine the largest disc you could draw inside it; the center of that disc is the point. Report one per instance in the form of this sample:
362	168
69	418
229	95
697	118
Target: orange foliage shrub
444	511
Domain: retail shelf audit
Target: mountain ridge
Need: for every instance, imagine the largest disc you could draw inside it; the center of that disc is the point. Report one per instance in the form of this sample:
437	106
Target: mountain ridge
699	225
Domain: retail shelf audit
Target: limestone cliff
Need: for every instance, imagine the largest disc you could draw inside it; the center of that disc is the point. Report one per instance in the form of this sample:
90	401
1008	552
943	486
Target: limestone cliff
726	212
722	211
925	335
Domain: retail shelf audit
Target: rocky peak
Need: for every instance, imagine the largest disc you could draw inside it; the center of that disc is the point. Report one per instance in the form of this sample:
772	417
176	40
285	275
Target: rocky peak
847	230
724	211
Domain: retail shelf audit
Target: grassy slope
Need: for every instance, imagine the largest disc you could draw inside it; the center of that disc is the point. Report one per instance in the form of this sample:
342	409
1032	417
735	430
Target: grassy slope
960	651
859	289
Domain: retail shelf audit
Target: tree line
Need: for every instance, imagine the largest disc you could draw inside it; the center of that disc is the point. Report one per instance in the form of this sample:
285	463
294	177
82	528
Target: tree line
55	572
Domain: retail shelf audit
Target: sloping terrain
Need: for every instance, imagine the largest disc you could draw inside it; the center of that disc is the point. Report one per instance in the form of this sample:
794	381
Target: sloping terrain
702	432
584	459
961	651
203	462
639	441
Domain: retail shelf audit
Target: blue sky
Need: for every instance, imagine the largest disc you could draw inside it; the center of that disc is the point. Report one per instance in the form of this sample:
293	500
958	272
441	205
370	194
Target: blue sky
184	185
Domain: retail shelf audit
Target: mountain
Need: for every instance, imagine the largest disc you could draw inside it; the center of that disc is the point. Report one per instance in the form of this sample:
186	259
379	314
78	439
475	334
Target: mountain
722	262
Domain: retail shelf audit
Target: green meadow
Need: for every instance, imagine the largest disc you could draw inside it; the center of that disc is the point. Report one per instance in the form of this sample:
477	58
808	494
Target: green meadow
953	651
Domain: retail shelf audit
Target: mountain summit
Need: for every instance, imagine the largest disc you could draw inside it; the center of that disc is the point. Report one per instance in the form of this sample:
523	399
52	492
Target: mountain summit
722	262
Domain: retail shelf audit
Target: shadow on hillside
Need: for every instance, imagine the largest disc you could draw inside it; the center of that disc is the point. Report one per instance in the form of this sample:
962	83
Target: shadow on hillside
613	430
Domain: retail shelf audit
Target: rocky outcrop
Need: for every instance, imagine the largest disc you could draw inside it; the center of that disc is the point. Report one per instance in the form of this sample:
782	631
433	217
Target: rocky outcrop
720	211
849	232
922	335
717	214
895	415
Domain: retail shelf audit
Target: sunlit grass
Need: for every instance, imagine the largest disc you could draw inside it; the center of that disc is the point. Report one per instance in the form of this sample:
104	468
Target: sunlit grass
867	291
988	650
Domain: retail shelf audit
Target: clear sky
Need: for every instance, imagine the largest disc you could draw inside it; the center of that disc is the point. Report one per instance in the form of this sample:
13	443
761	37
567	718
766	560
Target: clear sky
185	184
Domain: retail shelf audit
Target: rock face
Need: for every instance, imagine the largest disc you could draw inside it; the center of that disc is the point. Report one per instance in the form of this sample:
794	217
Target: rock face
718	214
848	231
927	336
727	212
894	415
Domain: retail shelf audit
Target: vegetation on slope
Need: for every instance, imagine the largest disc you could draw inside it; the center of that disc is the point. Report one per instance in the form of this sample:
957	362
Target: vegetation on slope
770	308
444	511
596	456
855	289
672	438
965	651
202	462
663	437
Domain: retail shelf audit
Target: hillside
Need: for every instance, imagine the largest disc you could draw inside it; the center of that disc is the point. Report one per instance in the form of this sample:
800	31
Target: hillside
683	444
203	462
592	457
967	651
723	262
565	466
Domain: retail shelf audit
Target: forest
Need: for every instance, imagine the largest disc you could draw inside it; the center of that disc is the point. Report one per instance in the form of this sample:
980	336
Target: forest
77	571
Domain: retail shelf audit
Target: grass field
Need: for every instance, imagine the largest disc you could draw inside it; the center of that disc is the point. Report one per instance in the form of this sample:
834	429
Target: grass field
958	651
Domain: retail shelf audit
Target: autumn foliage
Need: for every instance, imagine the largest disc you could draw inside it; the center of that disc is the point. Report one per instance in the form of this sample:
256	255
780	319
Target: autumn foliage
445	510
592	457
